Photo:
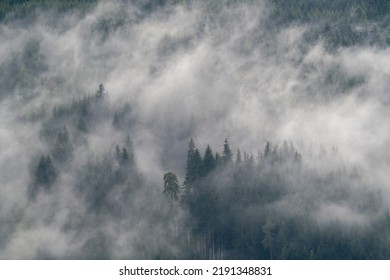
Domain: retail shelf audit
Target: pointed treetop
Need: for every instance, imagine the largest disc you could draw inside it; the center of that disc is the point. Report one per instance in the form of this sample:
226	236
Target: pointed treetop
227	154
209	161
100	92
267	150
194	164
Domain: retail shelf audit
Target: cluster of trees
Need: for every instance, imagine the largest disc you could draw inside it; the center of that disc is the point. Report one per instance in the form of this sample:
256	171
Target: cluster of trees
310	11
83	112
336	21
99	177
229	205
17	9
232	207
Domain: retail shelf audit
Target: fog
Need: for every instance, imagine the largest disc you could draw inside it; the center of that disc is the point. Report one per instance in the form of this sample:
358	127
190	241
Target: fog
197	70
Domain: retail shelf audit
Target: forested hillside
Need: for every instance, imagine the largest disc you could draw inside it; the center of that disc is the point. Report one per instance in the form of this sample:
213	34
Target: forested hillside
18	9
194	129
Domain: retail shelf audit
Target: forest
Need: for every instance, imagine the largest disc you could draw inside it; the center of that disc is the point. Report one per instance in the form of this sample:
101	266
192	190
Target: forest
194	129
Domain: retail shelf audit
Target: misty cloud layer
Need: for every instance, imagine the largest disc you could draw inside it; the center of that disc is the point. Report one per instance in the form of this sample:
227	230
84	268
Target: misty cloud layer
187	71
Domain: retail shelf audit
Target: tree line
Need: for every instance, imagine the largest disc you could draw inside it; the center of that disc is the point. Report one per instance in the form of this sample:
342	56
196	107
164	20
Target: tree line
232	207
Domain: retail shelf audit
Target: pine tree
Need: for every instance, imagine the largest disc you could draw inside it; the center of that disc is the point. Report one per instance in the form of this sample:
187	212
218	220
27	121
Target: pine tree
194	164
45	173
100	92
40	173
171	186
227	154
209	163
197	164
171	190
267	150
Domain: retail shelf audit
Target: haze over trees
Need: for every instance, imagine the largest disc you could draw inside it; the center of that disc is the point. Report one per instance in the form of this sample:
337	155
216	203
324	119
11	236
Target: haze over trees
194	129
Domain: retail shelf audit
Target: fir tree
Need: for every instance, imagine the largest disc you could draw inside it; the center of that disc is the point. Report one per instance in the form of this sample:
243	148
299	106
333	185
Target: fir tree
100	92
267	150
45	173
194	164
171	186
209	163
227	154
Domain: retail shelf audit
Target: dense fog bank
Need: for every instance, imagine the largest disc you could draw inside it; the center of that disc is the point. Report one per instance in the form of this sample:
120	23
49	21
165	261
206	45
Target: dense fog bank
100	99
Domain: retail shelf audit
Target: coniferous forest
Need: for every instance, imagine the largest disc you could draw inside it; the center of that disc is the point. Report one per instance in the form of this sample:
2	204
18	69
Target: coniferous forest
253	129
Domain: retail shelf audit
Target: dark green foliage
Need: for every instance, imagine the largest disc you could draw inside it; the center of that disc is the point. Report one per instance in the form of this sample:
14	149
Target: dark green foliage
171	186
209	161
218	159
330	10
44	176
194	164
238	208
100	93
82	114
336	20
231	211
227	154
45	173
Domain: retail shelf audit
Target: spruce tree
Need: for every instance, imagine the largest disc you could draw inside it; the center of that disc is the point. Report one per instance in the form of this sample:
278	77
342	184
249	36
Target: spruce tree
171	186
100	92
40	173
194	164
208	161
267	150
45	173
227	154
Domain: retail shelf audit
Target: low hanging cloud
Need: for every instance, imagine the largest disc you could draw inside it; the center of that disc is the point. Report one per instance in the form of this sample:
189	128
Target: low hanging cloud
186	71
